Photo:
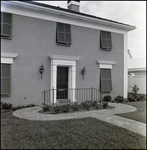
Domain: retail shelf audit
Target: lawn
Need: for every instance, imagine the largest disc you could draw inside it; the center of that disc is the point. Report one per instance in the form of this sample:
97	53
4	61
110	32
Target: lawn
139	115
86	133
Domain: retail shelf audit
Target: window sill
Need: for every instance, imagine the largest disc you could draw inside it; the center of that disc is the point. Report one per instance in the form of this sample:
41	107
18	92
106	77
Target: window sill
6	37
67	45
5	95
108	50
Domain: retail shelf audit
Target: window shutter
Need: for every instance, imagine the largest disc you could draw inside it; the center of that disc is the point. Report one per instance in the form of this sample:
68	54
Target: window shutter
105	40
5	84
6	24
63	33
105	83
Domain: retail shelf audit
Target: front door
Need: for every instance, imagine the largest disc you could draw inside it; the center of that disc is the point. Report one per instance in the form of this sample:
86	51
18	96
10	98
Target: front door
62	82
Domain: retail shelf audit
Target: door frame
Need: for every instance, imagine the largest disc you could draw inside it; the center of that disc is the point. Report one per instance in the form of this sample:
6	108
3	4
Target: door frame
64	61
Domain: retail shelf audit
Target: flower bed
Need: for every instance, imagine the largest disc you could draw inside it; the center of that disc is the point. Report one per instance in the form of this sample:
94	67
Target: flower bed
84	106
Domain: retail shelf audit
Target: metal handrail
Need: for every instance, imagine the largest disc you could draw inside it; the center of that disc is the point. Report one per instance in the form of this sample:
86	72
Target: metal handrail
78	95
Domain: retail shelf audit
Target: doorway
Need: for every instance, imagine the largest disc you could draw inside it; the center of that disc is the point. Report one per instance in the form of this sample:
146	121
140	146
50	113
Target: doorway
62	82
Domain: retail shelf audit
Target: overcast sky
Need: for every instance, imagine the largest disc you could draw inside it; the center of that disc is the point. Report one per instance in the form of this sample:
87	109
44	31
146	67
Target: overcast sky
128	12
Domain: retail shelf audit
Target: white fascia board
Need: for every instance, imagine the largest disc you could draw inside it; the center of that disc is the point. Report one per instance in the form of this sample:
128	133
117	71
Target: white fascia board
64	57
7	58
5	4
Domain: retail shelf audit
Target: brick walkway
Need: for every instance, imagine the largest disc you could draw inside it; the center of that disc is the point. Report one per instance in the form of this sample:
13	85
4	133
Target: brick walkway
106	115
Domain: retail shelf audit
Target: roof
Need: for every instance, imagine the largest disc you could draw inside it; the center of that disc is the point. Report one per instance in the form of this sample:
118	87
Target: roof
75	12
137	64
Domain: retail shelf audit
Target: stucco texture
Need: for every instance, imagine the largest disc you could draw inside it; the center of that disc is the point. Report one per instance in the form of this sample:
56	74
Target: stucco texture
35	39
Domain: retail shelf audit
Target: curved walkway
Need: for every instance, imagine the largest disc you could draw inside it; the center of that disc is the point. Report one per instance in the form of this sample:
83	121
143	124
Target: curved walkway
106	115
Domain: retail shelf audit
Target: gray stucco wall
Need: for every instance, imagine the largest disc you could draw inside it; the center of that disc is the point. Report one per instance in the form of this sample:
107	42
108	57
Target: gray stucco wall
35	39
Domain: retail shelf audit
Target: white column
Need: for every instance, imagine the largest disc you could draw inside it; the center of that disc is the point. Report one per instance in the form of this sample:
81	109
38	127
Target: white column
69	83
73	82
53	81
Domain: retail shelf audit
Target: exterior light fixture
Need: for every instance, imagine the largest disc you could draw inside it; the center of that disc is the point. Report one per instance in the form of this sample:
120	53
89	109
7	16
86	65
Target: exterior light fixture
83	71
41	70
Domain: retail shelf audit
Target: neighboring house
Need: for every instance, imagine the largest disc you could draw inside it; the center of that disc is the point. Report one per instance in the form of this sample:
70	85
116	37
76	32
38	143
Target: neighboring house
137	74
64	41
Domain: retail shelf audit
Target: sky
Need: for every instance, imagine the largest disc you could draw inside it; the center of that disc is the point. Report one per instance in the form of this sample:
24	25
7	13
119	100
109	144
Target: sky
128	12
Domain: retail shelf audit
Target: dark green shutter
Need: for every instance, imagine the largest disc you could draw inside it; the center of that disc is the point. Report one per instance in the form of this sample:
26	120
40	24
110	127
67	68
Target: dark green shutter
5	78
6	24
63	33
106	83
105	40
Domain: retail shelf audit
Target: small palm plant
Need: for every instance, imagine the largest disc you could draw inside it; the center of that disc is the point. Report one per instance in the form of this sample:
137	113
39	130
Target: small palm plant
135	90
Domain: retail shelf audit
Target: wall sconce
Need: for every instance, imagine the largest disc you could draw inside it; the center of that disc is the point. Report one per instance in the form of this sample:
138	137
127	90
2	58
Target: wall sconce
83	72
41	70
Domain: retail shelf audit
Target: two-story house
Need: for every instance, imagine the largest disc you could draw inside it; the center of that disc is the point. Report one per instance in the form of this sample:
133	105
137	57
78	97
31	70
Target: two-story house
48	47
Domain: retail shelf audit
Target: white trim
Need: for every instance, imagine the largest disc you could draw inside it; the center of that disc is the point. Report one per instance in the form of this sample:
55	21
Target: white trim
125	88
7	58
40	12
68	61
132	74
74	3
64	57
136	69
105	64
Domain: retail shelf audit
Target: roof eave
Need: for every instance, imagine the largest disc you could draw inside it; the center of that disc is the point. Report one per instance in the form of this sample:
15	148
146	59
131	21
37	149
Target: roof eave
74	15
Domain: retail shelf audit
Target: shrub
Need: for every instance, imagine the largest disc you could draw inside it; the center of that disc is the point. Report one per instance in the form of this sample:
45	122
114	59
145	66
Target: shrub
131	99
86	105
23	106
65	108
94	103
19	107
56	109
141	97
107	98
135	90
46	108
119	99
112	100
98	106
32	105
14	108
75	107
104	104
6	105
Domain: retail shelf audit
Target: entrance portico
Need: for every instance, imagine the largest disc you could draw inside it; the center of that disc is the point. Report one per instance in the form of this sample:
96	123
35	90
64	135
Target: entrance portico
63	61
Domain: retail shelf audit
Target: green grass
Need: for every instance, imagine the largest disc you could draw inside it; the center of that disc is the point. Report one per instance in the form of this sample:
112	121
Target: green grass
86	133
139	115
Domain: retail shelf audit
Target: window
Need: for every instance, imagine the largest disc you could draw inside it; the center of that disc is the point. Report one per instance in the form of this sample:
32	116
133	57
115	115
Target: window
105	81
5	79
105	40
6	25
63	34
